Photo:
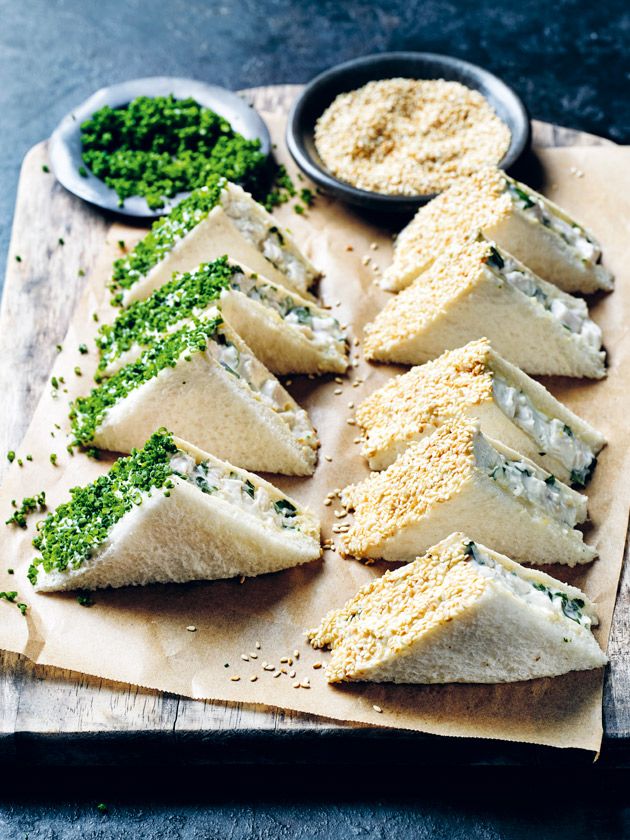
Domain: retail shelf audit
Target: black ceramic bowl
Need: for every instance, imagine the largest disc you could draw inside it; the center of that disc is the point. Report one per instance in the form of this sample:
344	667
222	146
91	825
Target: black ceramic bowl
323	89
65	144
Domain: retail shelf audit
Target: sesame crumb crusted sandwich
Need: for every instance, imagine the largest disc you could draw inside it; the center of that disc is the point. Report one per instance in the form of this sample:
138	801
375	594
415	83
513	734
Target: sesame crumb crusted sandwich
220	218
475	290
204	383
171	513
457	477
288	333
461	613
520	220
475	381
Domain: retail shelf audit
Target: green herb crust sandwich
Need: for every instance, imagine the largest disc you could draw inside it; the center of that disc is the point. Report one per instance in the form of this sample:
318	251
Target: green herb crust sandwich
170	513
205	384
475	290
523	222
220	218
474	381
288	333
457	477
461	613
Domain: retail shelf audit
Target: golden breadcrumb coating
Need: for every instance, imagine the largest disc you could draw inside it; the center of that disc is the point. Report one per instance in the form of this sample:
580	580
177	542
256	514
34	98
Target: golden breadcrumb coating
474	203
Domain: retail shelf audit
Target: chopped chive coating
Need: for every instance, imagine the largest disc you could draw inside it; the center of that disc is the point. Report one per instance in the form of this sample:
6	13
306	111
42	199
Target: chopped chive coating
164	234
29	505
145	320
72	533
88	412
159	146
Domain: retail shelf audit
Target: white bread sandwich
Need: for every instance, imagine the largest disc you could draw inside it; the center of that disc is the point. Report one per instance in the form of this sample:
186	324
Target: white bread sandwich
170	513
220	218
458	478
474	381
520	220
479	290
460	614
288	333
204	383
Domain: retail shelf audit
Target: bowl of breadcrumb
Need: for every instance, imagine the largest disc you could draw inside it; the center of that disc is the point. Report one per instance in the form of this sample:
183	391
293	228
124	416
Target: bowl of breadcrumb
389	132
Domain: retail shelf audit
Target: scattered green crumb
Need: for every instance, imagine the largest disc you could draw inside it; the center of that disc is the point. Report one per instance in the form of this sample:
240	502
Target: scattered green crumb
10	571
29	457
102	807
55	383
81	272
10	456
30	504
83	349
95	316
83	172
121	244
53	459
299	209
59	347
45	168
61	240
20	462
78	370
18	258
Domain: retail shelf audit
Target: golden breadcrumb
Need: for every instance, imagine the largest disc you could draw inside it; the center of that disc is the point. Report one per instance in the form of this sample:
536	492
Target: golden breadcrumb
409	136
476	203
430	472
426	397
390	613
407	314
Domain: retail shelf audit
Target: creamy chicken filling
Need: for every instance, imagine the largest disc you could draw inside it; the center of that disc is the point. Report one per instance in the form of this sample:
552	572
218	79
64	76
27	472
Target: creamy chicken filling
269	240
233	488
552	436
574	235
244	366
570	312
538	595
323	330
549	495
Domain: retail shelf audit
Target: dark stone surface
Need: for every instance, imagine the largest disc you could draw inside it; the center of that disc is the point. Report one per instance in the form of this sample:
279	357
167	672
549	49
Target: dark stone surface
569	62
566	59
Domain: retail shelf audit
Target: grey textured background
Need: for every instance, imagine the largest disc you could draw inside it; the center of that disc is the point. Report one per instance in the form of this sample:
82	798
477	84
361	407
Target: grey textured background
569	62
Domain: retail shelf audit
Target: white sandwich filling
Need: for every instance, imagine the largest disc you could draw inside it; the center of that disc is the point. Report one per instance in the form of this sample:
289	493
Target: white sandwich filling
549	495
551	601
268	239
267	389
570	312
552	436
228	485
323	331
574	235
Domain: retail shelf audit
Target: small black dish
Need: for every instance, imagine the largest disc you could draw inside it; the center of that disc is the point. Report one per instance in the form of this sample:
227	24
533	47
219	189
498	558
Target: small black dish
323	89
65	143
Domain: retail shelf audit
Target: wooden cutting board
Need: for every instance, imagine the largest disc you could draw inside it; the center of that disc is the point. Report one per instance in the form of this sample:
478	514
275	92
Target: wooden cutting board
49	715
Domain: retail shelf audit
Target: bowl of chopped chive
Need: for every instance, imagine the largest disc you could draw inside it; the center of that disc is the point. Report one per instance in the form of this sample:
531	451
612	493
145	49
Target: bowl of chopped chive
389	132
137	148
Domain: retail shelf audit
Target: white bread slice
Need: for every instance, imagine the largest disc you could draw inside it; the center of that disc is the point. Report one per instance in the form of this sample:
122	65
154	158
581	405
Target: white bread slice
512	215
196	231
475	290
474	381
459	478
176	532
461	613
288	333
204	383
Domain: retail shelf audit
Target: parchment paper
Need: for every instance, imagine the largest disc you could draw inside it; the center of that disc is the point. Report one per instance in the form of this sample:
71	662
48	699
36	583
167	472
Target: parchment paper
139	635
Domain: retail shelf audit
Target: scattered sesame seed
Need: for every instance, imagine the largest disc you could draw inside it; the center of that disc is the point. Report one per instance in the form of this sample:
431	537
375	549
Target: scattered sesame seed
377	708
296	654
257	645
338	391
235	678
350	404
296	685
374	246
244	657
289	382
305	684
351	421
241	579
292	674
253	656
366	259
253	678
191	628
317	666
327	502
349	248
277	674
269	667
328	458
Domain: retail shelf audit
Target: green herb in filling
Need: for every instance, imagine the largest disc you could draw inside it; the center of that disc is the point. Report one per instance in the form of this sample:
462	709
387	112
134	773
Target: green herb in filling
581	477
571	607
284	507
495	258
163	236
72	533
158	147
176	300
88	412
